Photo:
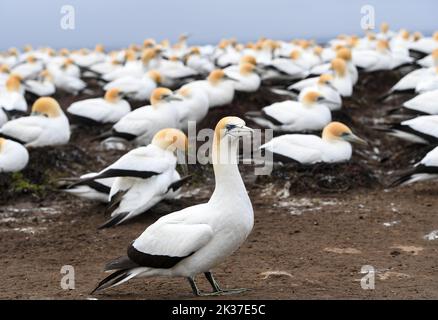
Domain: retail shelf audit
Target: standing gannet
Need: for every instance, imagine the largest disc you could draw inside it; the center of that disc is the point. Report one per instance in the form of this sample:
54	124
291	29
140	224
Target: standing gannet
143	123
46	126
426	169
341	78
134	194
193	106
218	86
333	147
246	79
139	89
309	113
423	129
190	242
12	96
13	156
109	109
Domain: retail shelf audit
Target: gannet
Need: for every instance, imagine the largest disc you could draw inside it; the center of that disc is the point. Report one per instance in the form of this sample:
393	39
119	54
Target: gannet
134	194
13	156
309	113
426	169
192	107
12	96
218	86
42	87
246	79
190	242
341	78
422	129
46	126
139	89
109	109
143	123
425	103
333	147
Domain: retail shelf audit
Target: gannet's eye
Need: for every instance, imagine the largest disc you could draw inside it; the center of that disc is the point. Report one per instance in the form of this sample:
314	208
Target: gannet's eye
230	127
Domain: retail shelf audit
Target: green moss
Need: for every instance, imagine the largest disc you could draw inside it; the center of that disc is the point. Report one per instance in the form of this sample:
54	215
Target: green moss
22	185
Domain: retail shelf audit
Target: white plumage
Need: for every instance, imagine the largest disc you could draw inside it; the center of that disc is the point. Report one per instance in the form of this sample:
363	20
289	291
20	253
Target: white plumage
13	156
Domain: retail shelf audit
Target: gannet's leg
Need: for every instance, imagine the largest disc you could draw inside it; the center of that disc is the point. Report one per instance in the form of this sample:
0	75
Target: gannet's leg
195	289
216	288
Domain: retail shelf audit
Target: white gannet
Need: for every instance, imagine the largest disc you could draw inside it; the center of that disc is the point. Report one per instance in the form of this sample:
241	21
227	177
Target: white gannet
426	169
323	85
109	109
422	129
218	86
309	113
333	147
5	72
143	123
341	78
12	96
429	61
190	242
42	87
193	107
174	72
285	68
66	81
13	156
246	79
198	62
133	195
46	126
28	69
425	45
139	89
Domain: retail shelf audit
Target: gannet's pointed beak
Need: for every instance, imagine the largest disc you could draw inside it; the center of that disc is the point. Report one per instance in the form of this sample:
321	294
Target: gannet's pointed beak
172	98
355	139
244	130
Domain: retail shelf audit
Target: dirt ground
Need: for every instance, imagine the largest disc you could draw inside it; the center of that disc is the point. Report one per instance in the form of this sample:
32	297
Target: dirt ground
314	227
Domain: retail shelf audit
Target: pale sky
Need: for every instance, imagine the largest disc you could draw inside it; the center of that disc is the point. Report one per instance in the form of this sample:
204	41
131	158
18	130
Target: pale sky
118	23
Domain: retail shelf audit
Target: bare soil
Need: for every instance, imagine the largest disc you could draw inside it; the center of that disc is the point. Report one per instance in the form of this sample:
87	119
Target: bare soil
314	227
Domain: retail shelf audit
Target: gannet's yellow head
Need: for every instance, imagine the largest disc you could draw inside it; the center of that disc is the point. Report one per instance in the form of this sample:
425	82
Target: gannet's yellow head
325	79
64	52
195	51
232	127
310	98
185	92
171	140
2	144
246	68
339	66
384	27
216	76
113	95
155	75
435	57
13	52
148	55
31	59
371	36
417	36
28	48
148	43
130	55
5	69
317	50
295	54
99	48
165	43
344	53
162	95
47	107
404	34
382	46
248	59
336	131
173	58
45	74
353	41
13	84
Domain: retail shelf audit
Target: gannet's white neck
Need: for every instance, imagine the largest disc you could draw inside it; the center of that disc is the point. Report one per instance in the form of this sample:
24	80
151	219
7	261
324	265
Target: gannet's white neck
229	183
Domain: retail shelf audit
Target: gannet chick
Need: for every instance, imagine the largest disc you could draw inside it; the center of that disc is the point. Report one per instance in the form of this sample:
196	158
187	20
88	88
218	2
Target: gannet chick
46	126
333	147
131	195
143	123
109	109
13	156
189	242
309	113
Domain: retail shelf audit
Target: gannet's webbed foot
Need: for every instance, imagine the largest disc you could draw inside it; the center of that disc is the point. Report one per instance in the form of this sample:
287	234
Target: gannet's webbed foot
217	291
